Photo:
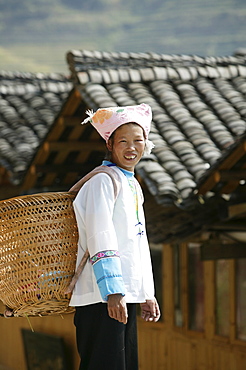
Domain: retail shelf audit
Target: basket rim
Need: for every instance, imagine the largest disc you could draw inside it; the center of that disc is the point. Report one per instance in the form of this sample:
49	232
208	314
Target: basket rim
37	195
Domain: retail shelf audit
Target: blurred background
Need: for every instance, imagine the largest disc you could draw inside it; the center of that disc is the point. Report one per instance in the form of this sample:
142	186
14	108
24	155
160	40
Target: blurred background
36	34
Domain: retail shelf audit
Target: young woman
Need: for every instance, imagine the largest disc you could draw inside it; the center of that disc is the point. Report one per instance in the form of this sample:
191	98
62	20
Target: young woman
118	274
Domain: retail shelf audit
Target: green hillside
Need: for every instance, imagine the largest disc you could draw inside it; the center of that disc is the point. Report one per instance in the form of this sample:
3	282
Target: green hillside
36	34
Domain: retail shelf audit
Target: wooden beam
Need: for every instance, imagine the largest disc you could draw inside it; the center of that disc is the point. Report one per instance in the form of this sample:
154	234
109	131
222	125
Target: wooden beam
215	249
233	301
233	157
31	175
64	119
72	121
70	178
59	168
232	175
229	187
51	174
74	145
76	133
234	225
72	103
235	176
237	210
212	180
209	299
60	125
49	179
56	130
42	154
9	191
4	176
215	177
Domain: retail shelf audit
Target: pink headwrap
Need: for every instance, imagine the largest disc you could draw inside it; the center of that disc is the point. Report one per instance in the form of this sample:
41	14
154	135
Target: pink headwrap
107	120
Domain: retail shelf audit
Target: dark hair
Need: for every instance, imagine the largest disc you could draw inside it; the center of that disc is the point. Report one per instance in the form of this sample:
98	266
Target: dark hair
108	153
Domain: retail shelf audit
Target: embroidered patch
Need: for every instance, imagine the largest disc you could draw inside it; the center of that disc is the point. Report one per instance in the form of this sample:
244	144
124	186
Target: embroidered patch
104	254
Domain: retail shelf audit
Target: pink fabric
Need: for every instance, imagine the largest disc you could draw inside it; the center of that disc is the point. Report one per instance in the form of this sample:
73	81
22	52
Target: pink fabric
107	120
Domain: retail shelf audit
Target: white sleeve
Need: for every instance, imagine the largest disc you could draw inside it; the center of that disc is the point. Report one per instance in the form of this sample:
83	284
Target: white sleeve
94	206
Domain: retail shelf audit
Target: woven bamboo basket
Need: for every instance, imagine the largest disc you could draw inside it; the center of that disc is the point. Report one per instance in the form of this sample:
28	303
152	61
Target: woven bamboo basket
38	245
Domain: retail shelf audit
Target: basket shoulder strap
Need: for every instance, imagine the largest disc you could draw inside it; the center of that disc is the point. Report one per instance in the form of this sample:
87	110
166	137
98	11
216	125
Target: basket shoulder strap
75	189
100	169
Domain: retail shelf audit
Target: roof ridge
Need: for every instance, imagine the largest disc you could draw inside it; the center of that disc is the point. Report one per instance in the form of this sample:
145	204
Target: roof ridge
31	76
86	57
112	67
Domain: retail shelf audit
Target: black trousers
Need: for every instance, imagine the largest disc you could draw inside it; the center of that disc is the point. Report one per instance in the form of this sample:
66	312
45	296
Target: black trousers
104	343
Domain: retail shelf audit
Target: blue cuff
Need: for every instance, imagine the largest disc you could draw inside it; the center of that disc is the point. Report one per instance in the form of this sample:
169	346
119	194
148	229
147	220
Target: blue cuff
109	277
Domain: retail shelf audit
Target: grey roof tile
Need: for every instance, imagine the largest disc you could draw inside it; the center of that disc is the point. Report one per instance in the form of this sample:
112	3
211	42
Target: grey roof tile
28	104
135	75
83	77
198	104
123	75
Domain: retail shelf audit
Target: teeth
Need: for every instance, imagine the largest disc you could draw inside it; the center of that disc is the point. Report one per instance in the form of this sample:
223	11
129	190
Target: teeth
130	157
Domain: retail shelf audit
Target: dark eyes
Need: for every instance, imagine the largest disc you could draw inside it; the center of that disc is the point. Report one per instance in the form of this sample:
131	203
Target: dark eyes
137	140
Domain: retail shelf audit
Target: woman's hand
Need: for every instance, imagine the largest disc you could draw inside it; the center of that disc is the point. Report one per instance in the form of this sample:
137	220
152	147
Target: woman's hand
150	310
117	308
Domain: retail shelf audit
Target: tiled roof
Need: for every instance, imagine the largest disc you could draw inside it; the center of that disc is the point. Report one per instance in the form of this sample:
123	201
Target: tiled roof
28	105
199	109
198	128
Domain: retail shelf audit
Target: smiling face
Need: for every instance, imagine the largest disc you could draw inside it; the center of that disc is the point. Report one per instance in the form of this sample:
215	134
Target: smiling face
127	146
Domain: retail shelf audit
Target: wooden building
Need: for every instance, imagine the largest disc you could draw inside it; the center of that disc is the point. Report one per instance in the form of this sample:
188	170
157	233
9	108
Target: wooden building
195	200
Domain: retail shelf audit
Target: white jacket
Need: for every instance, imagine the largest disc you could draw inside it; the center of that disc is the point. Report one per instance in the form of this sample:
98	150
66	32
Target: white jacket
105	224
